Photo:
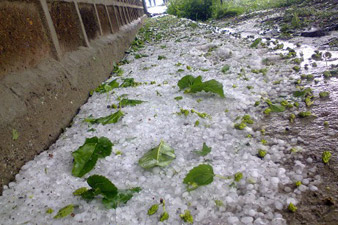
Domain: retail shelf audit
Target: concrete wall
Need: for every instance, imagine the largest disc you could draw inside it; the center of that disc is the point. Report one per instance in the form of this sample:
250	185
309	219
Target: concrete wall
52	53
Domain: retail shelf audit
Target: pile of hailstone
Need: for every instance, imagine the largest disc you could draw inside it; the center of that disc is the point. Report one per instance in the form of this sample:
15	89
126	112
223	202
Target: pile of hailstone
200	128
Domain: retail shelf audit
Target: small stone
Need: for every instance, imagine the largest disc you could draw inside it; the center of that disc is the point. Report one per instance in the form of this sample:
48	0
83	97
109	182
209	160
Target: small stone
246	219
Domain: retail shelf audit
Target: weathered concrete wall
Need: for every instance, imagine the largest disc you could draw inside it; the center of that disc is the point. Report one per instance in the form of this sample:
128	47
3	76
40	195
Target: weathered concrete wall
52	53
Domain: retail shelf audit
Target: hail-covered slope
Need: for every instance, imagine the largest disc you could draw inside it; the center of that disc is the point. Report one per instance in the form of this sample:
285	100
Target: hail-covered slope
173	48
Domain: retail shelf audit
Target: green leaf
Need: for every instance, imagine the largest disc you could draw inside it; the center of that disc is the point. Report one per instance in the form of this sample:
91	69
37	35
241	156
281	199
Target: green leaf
219	203
178	98
65	211
196	85
103	147
326	156
277	108
131	102
87	155
153	209
129	82
122	197
101	183
302	93
255	43
117	70
162	156
238	176
198	176
80	191
209	86
112	197
49	211
15	134
225	69
304	114
103	88
113	118
186	82
90	194
324	94
205	150
292	207
187	217
164	216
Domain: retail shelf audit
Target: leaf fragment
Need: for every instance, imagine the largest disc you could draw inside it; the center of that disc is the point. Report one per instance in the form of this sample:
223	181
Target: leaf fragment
65	211
199	176
187	217
132	102
15	134
164	216
277	108
80	191
86	156
112	197
106	87
195	84
162	156
122	197
153	209
113	118
326	156
204	151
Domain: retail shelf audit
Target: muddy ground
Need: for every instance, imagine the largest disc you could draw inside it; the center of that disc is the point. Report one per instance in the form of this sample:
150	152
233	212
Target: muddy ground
312	23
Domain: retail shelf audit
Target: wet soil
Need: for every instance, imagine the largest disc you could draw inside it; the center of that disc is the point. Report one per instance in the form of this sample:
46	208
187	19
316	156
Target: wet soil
316	29
321	206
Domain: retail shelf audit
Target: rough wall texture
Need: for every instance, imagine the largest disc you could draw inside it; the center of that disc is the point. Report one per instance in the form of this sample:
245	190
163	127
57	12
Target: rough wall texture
23	39
66	25
40	102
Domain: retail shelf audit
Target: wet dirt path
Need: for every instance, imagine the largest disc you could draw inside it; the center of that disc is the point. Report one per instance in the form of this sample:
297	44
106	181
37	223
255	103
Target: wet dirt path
310	136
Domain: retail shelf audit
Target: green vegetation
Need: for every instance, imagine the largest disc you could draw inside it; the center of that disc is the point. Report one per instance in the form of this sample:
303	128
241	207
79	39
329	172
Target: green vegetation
246	119
65	211
326	156
162	156
191	9
154	208
304	114
86	156
225	69
238	176
113	118
187	217
204	151
199	176
106	87
256	43
292	207
261	153
132	102
298	183
15	134
195	84
112	197
203	10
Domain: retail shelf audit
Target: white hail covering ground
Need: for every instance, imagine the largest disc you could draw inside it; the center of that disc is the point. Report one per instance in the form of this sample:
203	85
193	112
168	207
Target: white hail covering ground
266	187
